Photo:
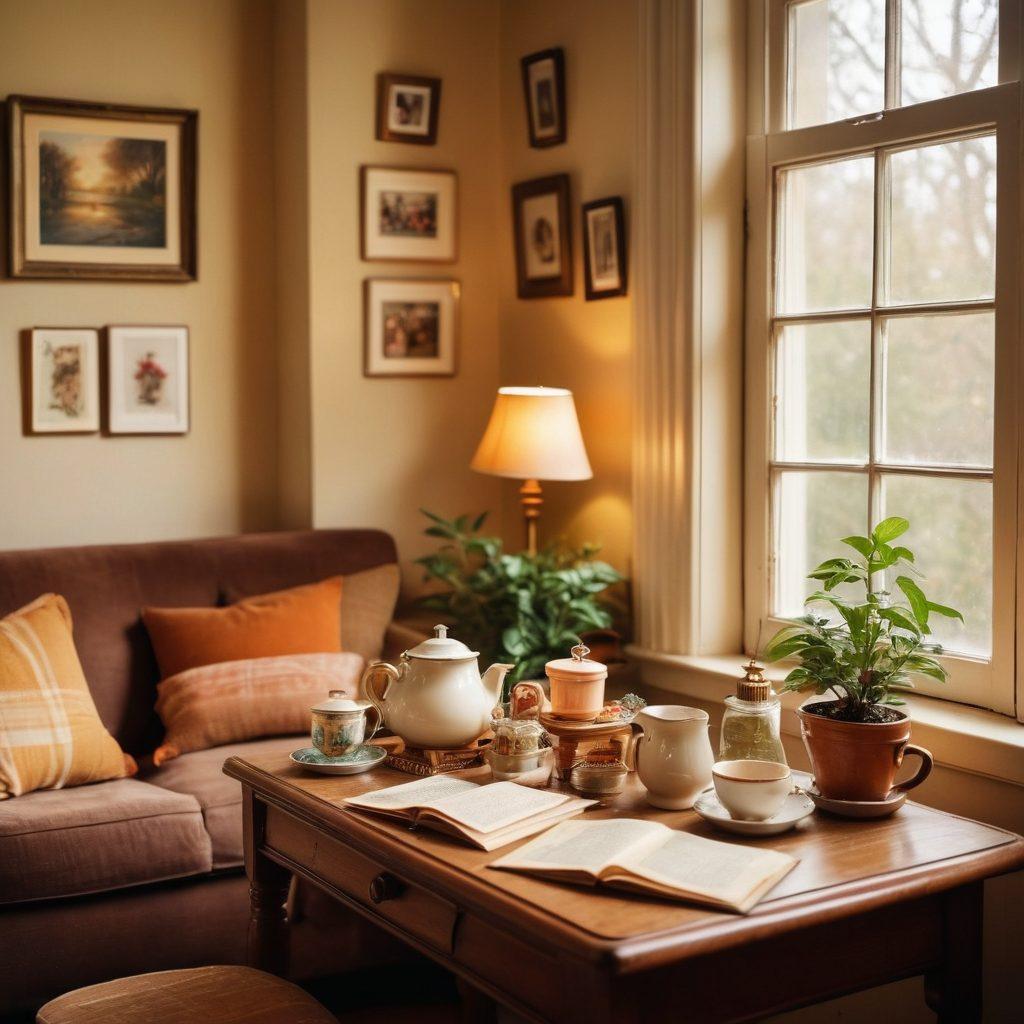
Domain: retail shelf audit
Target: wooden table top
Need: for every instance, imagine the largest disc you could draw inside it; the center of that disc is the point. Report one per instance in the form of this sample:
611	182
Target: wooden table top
845	867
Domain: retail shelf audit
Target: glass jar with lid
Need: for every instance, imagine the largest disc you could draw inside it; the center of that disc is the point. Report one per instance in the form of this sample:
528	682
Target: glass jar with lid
751	722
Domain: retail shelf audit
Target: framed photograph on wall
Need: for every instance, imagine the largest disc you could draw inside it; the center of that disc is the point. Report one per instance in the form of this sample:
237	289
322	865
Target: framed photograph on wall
61	380
408	108
543	237
604	248
408	214
411	327
147	380
101	192
544	88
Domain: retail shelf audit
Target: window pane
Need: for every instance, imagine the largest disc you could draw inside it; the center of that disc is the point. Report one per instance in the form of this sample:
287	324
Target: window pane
826	231
813	510
823	382
951	535
942	233
837	60
948	47
938	375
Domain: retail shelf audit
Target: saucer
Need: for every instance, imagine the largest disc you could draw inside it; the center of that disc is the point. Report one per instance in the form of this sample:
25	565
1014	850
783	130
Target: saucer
796	807
859	808
358	759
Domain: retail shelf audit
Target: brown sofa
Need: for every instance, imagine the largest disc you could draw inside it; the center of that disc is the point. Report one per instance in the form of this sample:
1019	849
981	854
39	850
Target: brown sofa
146	874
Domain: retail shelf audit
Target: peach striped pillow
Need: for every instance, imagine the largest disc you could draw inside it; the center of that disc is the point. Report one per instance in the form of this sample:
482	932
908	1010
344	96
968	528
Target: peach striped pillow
234	701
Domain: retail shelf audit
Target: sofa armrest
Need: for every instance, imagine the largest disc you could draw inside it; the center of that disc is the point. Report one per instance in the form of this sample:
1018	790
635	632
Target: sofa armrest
399	637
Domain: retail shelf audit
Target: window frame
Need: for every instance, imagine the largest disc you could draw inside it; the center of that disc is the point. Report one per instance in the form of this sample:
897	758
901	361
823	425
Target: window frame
997	684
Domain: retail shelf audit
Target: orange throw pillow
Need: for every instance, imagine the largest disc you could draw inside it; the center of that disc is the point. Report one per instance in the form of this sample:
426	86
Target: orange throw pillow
51	735
302	620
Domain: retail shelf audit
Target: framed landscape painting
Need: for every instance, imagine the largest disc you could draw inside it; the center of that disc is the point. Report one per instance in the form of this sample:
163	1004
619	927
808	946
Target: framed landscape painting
408	214
408	107
147	380
61	375
543	237
101	192
604	248
411	327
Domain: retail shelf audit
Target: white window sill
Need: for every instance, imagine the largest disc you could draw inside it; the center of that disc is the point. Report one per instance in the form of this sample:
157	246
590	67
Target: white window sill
965	738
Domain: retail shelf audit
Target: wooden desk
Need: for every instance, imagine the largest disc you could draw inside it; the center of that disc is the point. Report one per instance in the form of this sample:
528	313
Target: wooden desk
869	902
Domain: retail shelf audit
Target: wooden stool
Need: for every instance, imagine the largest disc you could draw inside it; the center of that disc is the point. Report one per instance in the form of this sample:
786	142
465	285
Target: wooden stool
211	995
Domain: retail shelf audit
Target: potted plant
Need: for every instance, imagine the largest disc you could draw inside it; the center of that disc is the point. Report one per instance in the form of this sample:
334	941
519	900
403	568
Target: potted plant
519	608
865	654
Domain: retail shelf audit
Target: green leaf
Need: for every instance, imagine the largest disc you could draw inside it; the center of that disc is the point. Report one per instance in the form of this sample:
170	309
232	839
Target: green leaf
941	609
905	553
859	544
889	529
915	595
897	618
479	521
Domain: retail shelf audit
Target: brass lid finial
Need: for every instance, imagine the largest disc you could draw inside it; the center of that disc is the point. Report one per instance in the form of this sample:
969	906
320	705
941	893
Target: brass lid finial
580	652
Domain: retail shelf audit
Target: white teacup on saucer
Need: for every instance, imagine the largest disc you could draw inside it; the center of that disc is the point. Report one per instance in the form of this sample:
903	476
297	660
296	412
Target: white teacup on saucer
752	790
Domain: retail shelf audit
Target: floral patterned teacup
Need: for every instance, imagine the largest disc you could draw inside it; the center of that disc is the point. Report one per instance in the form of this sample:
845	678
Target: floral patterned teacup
339	724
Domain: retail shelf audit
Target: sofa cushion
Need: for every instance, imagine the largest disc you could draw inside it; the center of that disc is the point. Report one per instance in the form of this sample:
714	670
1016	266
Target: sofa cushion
96	838
200	775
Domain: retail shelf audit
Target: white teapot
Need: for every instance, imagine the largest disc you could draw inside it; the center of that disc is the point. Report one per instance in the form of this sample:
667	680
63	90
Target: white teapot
436	697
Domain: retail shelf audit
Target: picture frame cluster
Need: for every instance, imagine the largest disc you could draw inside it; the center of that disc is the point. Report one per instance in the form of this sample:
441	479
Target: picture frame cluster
121	379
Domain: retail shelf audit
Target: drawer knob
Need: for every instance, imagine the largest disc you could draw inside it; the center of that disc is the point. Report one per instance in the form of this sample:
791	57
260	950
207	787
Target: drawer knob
385	887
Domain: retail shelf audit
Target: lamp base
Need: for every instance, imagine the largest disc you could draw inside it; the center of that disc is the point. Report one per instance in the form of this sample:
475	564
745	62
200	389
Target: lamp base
531	499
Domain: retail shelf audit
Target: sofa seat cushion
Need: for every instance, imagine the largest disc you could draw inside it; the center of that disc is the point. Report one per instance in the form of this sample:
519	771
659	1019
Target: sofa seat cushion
200	775
96	838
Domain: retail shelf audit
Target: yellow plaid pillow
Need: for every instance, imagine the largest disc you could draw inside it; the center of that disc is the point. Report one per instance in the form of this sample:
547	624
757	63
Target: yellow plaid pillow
51	735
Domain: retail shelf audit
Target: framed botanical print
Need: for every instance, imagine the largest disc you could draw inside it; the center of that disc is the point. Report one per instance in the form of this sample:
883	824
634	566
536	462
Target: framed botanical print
61	378
543	236
147	380
408	214
544	87
604	248
408	108
101	192
411	327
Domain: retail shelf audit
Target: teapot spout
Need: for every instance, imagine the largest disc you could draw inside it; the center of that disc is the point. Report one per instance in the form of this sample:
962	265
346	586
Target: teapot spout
493	678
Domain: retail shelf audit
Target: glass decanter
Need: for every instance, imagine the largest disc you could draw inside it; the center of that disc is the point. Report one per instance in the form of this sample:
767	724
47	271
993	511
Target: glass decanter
750	724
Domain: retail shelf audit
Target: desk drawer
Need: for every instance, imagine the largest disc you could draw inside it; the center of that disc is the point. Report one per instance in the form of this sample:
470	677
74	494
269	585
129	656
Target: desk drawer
413	909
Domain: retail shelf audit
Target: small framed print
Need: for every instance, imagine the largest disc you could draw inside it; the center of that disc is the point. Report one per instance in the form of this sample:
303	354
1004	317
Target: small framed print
408	214
61	378
604	248
544	86
147	380
101	191
543	237
408	107
411	327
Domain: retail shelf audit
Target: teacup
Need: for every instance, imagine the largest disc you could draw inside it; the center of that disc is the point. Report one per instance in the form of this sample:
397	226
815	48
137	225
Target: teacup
752	790
339	724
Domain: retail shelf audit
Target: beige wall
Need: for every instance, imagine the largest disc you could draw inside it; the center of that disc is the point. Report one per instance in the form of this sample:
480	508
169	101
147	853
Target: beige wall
569	342
384	448
221	477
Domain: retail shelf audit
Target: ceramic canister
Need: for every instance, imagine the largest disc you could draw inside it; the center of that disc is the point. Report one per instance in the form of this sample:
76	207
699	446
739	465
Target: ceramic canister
577	686
339	723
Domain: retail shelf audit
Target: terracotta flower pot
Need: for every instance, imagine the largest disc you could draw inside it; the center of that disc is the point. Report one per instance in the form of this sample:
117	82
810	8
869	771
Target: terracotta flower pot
858	760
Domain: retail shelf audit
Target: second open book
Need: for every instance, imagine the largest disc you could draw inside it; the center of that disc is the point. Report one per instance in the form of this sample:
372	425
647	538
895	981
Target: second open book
648	857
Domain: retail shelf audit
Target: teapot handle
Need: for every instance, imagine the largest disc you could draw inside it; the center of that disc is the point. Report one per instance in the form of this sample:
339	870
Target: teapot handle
374	669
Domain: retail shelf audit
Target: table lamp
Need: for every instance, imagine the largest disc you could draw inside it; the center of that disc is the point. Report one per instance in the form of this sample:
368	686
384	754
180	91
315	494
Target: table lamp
533	435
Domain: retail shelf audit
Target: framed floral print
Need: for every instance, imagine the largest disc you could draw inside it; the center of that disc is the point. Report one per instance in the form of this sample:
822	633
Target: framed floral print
408	107
544	87
147	380
411	327
61	378
543	237
604	248
408	214
101	192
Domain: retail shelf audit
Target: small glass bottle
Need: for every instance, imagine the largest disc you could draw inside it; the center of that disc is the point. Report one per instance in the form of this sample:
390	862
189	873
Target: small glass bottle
750	724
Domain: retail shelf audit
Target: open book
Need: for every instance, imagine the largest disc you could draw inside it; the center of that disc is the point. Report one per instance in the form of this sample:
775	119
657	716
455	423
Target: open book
648	857
486	816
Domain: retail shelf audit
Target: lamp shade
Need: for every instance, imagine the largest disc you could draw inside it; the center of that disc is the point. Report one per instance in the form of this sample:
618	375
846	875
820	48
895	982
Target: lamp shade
533	434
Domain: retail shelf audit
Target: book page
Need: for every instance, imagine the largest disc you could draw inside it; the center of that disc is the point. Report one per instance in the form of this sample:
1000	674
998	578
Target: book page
421	793
491	807
703	867
585	846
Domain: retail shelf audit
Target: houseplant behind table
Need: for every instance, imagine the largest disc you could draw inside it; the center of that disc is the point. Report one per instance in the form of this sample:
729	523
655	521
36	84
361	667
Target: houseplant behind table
865	654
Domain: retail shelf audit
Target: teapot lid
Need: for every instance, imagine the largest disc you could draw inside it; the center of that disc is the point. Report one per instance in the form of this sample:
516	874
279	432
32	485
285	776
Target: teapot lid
577	668
338	700
442	647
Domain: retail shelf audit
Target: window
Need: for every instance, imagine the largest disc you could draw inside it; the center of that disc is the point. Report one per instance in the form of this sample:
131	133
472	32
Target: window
883	325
